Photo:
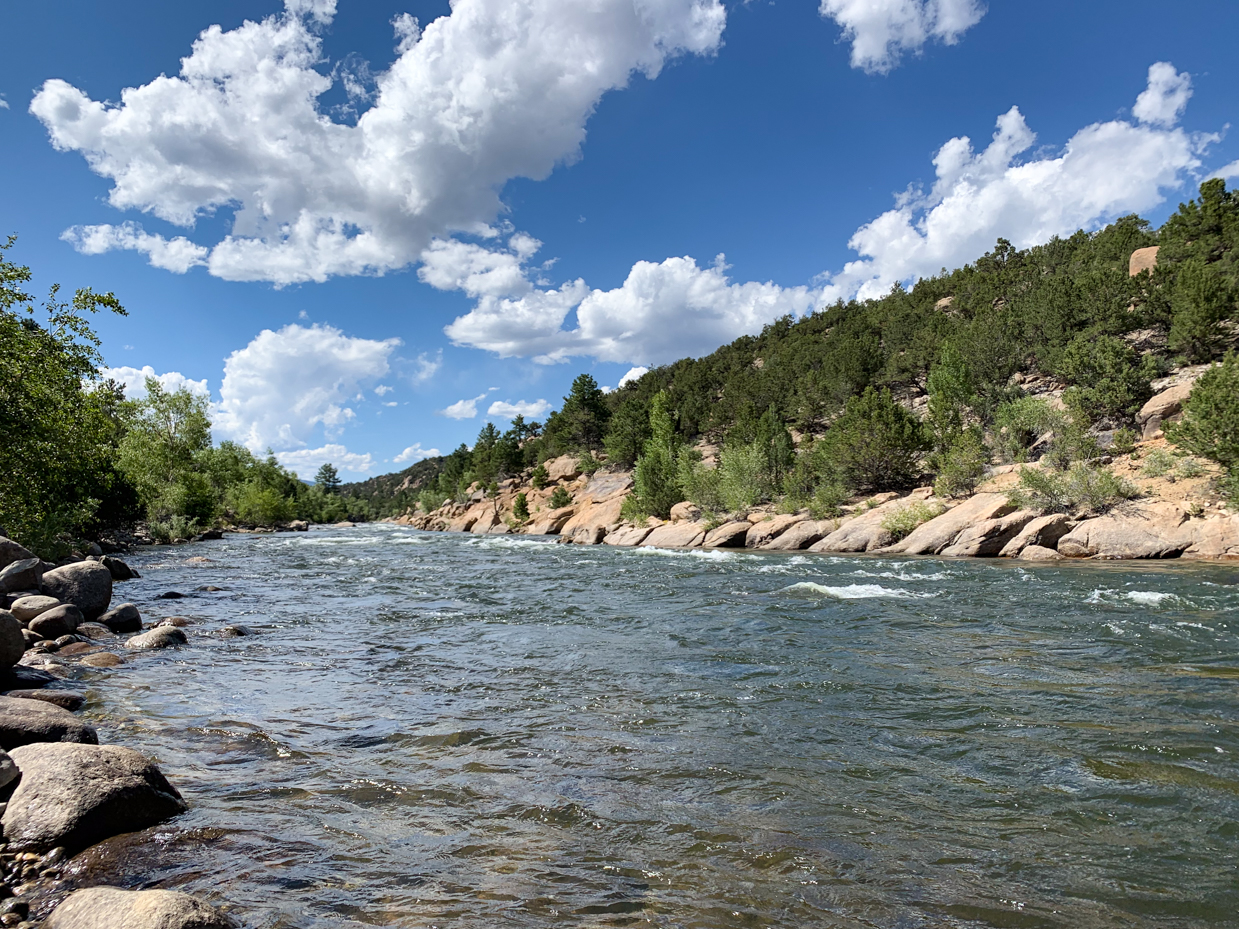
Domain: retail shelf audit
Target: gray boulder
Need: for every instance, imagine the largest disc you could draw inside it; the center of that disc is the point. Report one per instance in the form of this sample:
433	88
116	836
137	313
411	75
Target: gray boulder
10	552
68	699
94	631
24	722
159	637
120	571
87	585
8	770
113	908
12	642
20	677
27	608
21	575
124	618
76	795
58	621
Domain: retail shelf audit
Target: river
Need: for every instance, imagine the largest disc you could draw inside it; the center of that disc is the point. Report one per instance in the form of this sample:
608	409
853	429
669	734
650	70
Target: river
450	730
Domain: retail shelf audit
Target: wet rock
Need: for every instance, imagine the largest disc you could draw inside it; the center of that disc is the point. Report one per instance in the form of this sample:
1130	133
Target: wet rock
103	660
124	618
211	534
20	677
10	552
113	908
209	589
27	608
932	537
8	770
1043	532
159	637
77	648
627	536
58	621
299	525
676	535
87	585
170	595
64	640
989	537
236	630
23	722
119	570
768	530
12	642
93	631
31	638
801	535
178	621
728	535
66	699
1038	553
21	575
76	795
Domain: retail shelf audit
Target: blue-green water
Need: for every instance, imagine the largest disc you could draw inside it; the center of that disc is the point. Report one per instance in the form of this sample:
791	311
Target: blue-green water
443	730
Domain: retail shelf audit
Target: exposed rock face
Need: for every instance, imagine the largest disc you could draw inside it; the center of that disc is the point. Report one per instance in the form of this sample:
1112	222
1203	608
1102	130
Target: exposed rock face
728	535
10	552
989	537
1142	259
27	608
1039	553
25	574
1212	538
627	536
770	529
23	722
676	535
801	535
1163	407
58	621
1147	529
113	908
1042	532
685	511
87	585
863	531
553	522
124	618
159	637
76	795
486	522
8	770
563	468
12	642
598	508
942	531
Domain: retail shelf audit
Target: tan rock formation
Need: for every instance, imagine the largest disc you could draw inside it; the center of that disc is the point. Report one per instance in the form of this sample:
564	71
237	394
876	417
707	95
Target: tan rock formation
987	538
1162	407
801	535
1042	532
1142	259
728	535
685	511
627	536
768	530
863	532
1144	529
676	535
1039	553
941	532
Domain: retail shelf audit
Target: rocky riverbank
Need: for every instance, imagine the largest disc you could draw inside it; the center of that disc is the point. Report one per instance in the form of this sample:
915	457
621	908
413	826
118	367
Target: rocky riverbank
1171	515
61	792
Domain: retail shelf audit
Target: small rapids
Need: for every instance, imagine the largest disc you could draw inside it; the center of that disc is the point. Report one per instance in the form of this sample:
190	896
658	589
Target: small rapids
441	730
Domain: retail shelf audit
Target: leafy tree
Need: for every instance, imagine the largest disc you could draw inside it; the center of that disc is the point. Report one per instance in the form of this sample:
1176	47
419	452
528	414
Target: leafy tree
876	444
328	478
950	397
166	431
1210	425
539	477
1110	382
656	485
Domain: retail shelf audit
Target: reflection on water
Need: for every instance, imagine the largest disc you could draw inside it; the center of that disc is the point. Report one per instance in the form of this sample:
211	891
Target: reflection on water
434	730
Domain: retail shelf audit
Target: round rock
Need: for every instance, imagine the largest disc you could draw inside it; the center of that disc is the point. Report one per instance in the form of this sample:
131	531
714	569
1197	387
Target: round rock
27	608
58	621
24	722
12	642
21	575
78	648
68	699
86	584
76	795
113	908
103	660
94	631
124	618
235	631
178	621
159	637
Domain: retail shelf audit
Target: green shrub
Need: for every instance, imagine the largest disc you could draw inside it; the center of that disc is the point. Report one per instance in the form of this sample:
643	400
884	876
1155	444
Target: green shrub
900	521
174	529
256	505
700	485
1072	443
1189	468
1019	423
1124	441
743	478
520	509
559	498
827	500
656	479
1210	424
587	463
962	465
1110	381
1157	463
1083	488
539	477
876	444
430	499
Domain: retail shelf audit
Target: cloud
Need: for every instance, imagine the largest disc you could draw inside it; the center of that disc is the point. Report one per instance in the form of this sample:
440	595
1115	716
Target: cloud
495	90
134	381
463	409
415	452
1165	99
4	104
305	462
177	255
284	385
528	409
383	389
1226	172
425	367
1104	171
882	30
634	374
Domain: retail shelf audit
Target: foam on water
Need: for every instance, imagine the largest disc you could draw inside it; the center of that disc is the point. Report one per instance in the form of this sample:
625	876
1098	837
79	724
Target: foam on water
852	591
709	554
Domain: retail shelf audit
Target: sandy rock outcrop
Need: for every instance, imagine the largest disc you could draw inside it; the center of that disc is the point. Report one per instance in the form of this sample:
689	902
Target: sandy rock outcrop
1142	259
863	531
801	535
114	908
1143	529
1162	407
598	508
728	535
1042	532
627	536
1039	553
676	535
685	512
552	523
989	537
766	531
1217	537
931	537
563	468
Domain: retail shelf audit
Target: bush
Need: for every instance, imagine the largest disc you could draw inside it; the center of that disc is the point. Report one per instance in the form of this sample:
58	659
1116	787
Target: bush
902	520
174	529
1124	441
430	499
656	482
1072	443
559	499
1082	488
701	485
827	500
1157	463
1210	425
1110	381
743	477
539	477
1019	423
257	505
876	444
962	465
520	509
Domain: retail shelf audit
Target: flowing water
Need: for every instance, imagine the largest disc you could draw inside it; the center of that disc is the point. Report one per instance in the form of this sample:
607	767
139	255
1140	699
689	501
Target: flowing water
444	730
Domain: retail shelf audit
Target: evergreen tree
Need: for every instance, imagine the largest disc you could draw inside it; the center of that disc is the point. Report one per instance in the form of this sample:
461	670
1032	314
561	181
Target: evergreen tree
328	478
656	484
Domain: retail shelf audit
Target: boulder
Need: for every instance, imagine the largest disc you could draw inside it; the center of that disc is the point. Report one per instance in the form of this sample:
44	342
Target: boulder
66	699
563	468
21	575
124	618
31	638
685	511
801	535
87	585
552	522
1042	532
932	537
58	621
103	660
23	722
236	631
989	537
77	648
1142	259
114	908
73	796
93	631
27	608
170	595
592	521
10	552
8	770
12	642
159	637
728	535
299	525
676	535
1215	537
179	621
486	522
627	536
863	531
119	570
1146	529
1038	553
20	677
1162	407
769	529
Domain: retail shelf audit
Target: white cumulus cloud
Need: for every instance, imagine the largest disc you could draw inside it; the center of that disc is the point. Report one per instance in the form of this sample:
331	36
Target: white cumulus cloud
882	30
134	381
1226	172
415	452
634	374
1105	170
1165	99
305	462
463	409
177	254
530	409
495	90
286	384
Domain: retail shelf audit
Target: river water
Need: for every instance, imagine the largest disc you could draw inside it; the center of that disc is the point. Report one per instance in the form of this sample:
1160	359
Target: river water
449	730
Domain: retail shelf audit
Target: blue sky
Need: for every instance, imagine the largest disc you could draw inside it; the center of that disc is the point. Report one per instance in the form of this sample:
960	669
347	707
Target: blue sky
360	224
